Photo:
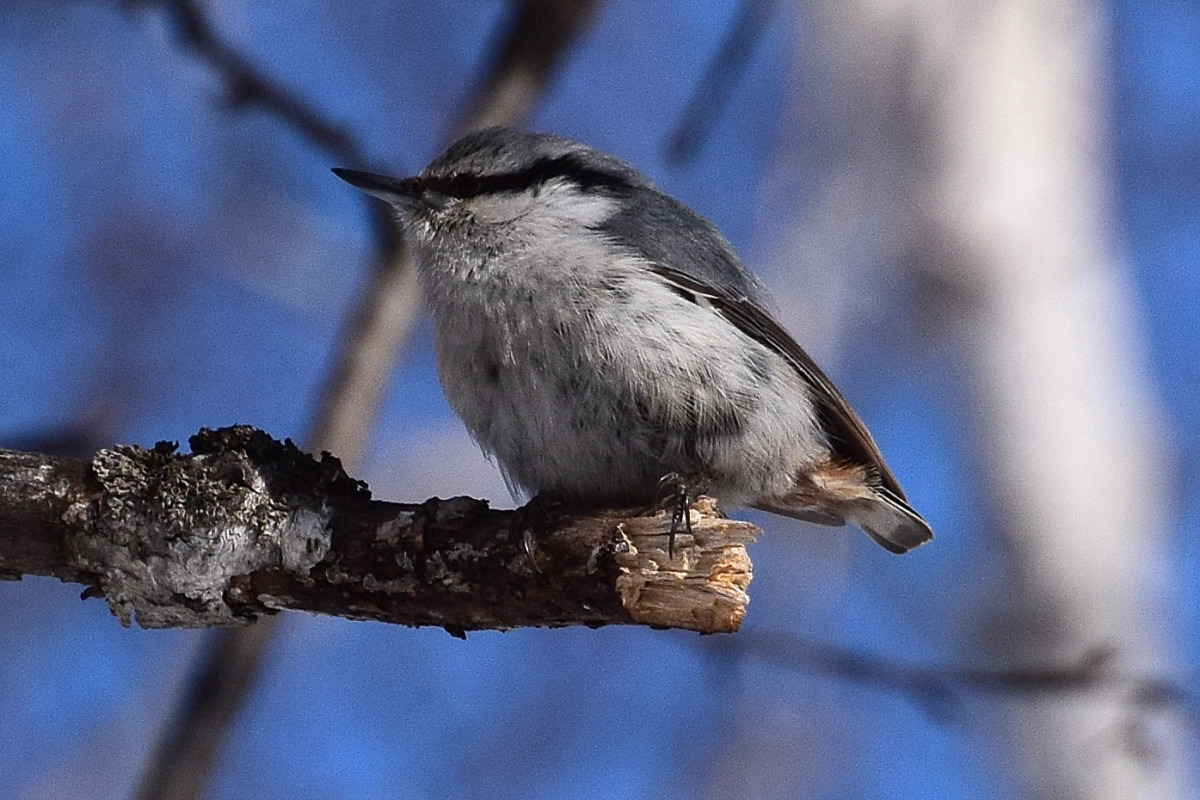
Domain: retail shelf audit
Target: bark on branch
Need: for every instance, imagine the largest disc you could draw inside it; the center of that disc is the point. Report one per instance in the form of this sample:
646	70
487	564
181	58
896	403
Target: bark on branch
246	526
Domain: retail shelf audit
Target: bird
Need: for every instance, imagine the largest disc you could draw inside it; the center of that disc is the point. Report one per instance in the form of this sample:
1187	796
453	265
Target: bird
601	340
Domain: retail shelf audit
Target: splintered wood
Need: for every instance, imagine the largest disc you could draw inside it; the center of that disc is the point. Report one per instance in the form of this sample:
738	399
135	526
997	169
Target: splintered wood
703	588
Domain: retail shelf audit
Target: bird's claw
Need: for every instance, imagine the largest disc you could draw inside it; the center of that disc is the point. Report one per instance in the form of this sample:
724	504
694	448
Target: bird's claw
676	491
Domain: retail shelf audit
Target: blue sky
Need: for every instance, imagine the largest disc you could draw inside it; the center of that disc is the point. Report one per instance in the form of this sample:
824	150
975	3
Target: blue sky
172	263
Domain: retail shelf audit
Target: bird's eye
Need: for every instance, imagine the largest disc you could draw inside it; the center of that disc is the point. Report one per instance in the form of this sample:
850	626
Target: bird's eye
468	185
460	184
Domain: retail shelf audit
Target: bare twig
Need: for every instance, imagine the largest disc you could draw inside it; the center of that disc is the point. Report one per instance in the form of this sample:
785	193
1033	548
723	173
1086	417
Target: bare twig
378	326
191	740
245	84
939	690
246	526
78	438
182	763
713	91
526	57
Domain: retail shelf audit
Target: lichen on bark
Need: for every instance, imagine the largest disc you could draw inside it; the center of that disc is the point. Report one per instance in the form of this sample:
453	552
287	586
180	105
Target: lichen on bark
172	531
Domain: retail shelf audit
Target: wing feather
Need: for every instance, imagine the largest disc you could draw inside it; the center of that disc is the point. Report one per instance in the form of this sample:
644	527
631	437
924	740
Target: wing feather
848	436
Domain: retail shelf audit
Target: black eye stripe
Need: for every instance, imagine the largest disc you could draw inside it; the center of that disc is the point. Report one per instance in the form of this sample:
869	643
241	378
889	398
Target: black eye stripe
568	168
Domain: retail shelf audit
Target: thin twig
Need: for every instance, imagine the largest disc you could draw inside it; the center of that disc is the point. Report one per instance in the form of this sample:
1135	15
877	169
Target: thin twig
182	764
245	84
527	54
712	93
940	690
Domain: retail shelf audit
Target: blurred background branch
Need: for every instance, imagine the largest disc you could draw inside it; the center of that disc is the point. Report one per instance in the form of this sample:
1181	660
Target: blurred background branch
711	94
941	691
246	86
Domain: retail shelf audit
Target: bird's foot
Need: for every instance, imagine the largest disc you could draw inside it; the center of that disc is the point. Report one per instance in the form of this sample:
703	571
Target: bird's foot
675	493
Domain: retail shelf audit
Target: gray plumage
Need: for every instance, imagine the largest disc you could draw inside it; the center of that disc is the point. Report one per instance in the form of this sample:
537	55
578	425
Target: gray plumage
595	334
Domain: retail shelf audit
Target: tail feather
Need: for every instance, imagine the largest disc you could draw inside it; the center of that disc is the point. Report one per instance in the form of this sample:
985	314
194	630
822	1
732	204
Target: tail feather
891	522
882	514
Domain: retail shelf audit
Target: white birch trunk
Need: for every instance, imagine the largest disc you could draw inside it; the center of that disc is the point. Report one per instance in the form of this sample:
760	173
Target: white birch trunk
984	123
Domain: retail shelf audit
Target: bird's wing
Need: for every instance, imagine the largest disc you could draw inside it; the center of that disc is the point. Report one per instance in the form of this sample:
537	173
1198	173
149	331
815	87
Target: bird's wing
848	437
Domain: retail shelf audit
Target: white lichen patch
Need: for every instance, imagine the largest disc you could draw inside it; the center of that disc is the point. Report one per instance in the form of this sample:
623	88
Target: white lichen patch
391	530
173	531
305	539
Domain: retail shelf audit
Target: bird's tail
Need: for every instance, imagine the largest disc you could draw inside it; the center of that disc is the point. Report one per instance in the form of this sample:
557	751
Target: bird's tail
835	494
892	522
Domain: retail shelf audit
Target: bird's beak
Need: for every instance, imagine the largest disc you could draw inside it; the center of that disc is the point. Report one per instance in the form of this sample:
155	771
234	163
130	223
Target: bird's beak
399	191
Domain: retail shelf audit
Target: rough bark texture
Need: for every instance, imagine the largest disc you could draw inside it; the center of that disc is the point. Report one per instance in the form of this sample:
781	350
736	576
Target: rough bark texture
247	526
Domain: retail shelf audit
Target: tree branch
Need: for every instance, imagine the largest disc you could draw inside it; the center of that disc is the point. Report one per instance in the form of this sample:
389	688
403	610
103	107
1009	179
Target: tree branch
712	93
247	86
527	54
940	691
246	526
